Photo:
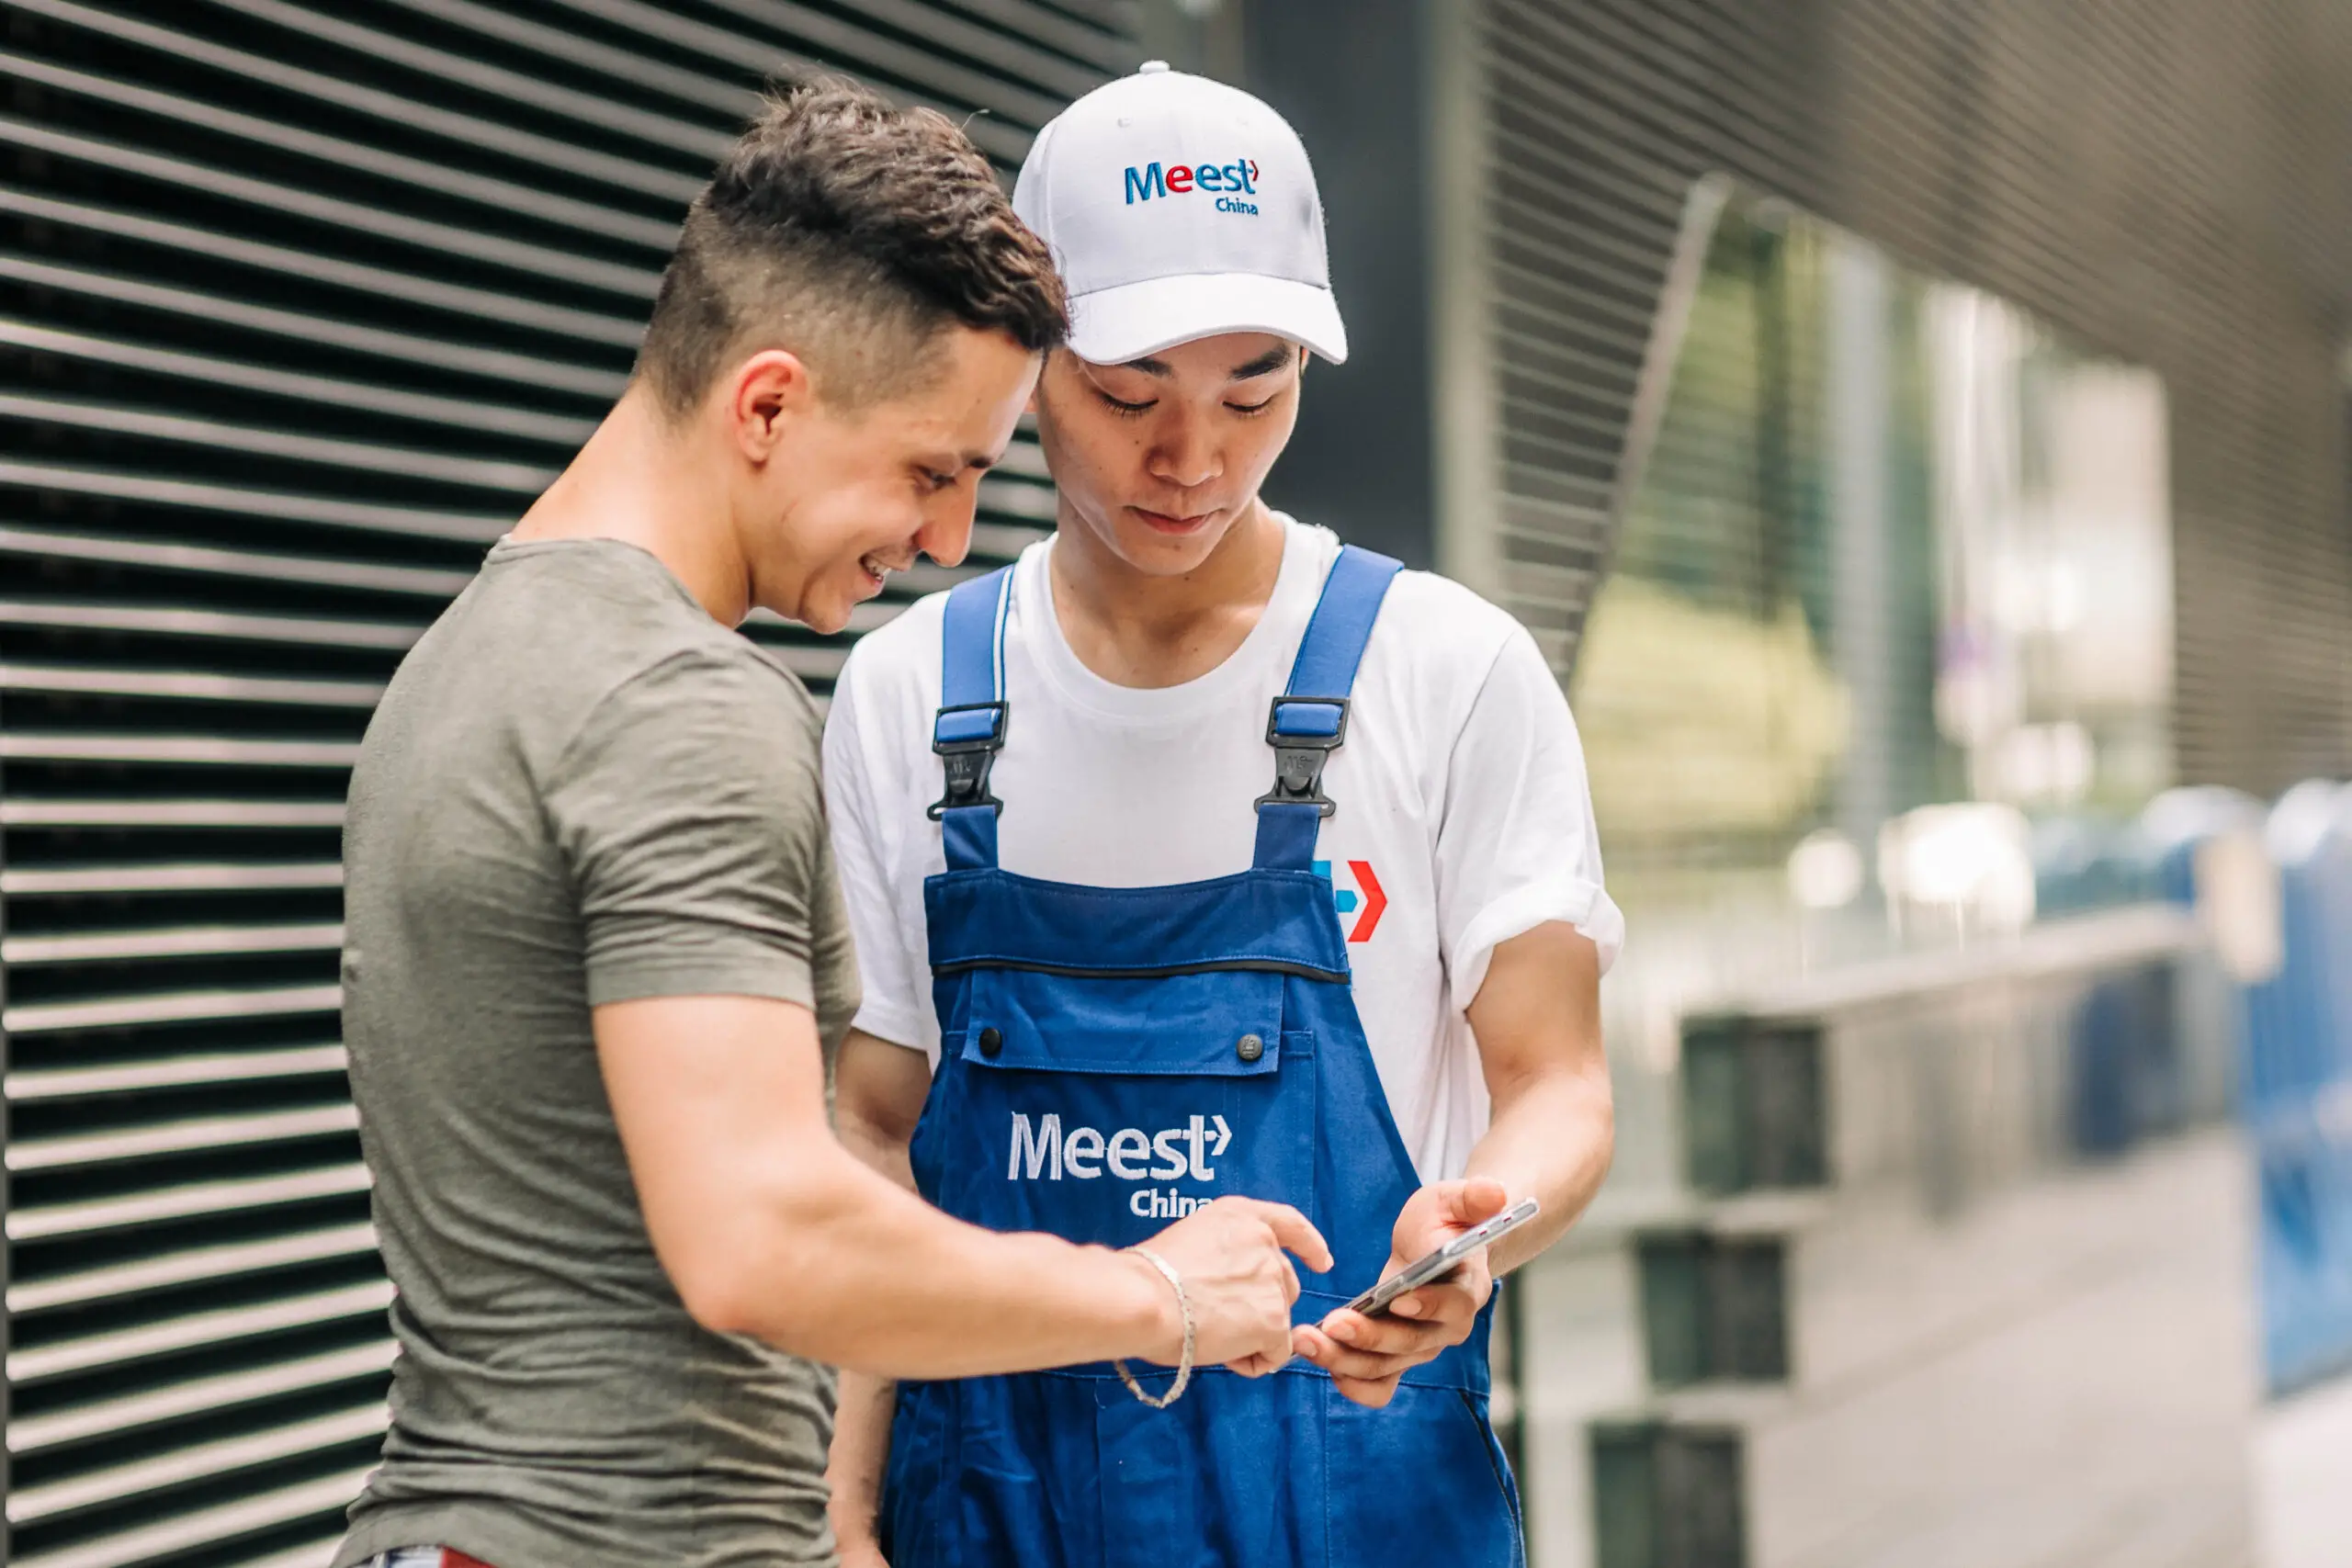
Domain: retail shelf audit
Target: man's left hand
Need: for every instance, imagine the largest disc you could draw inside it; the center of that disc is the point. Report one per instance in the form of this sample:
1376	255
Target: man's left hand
1365	1356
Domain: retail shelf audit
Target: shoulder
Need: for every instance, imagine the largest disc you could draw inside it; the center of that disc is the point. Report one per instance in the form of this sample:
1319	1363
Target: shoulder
1427	623
1444	634
703	712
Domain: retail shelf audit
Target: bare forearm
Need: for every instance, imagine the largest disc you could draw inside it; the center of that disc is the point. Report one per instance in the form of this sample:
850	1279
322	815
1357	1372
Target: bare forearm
880	1094
1552	1138
861	1448
832	1262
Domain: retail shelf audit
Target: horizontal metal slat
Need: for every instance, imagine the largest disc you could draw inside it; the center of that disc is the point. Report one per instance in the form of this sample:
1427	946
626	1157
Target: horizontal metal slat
517	255
177	876
190	1265
706	144
177	1467
32	1086
1034	502
47	1221
33	1434
177	751
809	662
221	1522
163	620
156	554
1119	17
461	413
730	56
168	1006
1003	541
481	473
86	680
408	113
414	348
224	814
458	299
197	1329
1024	459
179	1137
1099	32
933	68
725	92
200	496
349	157
171	942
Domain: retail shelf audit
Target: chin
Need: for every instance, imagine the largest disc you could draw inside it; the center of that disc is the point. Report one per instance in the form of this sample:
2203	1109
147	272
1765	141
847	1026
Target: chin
1164	555
824	619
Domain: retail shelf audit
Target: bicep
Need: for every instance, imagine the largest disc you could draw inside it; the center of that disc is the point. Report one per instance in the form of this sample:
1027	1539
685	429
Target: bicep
714	1097
1538	1012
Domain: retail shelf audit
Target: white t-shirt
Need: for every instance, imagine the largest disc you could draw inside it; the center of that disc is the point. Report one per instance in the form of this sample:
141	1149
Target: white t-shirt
1463	815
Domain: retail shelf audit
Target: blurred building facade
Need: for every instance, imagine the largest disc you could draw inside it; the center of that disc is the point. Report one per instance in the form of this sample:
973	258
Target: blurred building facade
301	302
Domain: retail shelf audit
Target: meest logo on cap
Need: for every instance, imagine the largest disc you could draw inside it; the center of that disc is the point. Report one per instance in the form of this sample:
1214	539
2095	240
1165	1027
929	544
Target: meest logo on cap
1238	179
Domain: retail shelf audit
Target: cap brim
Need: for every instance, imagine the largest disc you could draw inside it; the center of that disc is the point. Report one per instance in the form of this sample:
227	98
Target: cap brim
1111	326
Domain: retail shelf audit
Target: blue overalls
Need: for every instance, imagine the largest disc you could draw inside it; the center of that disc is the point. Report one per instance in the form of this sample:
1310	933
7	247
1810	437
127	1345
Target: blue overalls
1112	1057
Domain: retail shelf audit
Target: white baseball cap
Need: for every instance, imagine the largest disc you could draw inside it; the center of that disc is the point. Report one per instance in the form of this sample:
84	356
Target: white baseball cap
1178	208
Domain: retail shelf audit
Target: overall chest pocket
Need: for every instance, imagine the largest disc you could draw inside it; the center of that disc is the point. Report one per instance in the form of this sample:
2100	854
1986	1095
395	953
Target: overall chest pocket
1103	1110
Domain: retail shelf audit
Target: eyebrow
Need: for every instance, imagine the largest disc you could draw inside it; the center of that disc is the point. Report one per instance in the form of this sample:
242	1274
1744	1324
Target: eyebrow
959	462
1265	364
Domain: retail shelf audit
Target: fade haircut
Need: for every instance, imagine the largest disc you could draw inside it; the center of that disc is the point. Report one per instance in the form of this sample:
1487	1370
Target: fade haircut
852	232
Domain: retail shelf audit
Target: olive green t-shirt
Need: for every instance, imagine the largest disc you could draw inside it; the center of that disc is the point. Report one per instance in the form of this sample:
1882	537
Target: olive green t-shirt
579	789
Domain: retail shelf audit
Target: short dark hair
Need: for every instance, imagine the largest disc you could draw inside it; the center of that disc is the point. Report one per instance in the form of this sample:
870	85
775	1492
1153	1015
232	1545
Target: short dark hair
852	232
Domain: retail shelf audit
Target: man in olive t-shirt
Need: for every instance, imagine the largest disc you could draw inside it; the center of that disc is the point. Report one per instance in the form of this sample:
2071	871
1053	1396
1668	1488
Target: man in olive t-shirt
580	790
595	956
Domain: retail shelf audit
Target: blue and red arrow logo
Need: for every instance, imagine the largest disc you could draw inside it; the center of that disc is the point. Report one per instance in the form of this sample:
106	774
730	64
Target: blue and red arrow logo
1371	899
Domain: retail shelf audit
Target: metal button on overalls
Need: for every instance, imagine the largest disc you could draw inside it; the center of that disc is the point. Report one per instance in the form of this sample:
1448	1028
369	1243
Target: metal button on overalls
1157	1048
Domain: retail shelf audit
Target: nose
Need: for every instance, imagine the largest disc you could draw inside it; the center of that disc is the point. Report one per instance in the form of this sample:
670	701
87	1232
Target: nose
946	532
1186	453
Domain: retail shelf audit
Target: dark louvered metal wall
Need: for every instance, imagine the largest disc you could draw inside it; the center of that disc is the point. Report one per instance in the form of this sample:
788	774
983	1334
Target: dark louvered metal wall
2165	182
299	304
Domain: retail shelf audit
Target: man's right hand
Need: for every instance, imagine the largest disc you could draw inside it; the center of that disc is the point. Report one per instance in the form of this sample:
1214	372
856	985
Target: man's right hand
1229	1253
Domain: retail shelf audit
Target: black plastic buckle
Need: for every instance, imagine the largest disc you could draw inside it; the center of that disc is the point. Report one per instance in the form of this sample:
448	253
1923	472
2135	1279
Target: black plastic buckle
1299	759
968	761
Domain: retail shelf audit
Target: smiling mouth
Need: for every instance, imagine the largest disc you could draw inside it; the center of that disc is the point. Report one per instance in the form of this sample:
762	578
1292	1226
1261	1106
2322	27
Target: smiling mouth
878	570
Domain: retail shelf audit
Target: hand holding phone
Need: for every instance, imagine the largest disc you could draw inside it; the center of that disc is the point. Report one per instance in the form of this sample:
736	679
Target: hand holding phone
1433	1265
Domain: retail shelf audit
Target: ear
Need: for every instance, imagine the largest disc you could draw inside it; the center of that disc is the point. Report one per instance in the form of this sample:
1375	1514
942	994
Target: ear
768	391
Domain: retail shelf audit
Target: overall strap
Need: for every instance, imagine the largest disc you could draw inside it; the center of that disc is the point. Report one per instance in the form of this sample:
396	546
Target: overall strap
970	729
1309	720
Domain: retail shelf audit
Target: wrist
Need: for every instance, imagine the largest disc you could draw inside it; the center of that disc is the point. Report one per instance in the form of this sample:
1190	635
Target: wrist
854	1524
1153	1321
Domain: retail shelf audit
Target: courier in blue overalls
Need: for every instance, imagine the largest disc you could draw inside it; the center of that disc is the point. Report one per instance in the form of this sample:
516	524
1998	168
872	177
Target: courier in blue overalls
1192	1041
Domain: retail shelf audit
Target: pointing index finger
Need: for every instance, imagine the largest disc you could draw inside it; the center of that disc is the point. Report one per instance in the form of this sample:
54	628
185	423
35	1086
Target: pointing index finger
1291	1229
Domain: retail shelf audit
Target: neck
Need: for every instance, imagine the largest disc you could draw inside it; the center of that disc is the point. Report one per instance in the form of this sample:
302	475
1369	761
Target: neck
646	482
1136	629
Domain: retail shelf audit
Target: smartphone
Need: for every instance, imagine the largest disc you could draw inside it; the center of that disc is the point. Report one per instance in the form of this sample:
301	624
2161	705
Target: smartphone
1435	1265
